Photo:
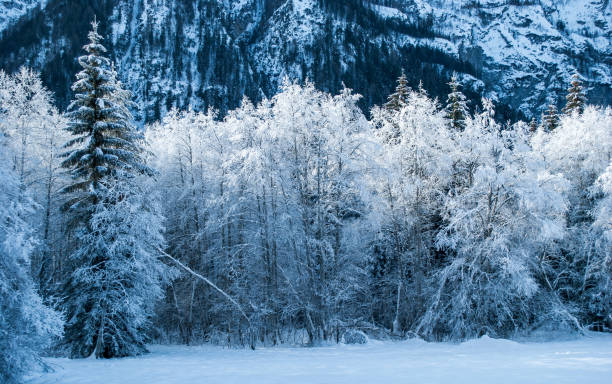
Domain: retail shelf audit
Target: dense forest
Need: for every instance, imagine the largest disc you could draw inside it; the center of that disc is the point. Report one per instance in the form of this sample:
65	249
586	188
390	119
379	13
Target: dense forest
295	220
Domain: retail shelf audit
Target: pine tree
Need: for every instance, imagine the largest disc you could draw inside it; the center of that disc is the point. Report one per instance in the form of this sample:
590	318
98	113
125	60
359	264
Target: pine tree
104	138
550	120
116	225
576	98
397	99
456	106
533	125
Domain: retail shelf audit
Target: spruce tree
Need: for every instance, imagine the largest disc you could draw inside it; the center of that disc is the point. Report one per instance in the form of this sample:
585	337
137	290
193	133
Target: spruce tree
116	225
397	99
550	120
456	106
533	125
576	98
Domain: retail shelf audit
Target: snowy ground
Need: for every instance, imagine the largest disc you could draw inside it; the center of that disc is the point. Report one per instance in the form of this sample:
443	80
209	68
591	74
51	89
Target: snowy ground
586	360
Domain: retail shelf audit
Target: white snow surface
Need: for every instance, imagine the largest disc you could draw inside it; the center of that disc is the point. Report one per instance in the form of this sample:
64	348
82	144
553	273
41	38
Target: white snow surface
584	360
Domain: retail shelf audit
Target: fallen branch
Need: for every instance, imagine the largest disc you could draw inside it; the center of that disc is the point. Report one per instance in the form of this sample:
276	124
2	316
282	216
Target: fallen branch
191	271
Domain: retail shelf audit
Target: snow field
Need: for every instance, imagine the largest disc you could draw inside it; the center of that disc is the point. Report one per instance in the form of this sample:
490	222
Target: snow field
584	360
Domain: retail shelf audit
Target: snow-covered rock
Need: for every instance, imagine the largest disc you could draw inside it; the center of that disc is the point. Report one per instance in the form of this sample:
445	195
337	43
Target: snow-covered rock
353	336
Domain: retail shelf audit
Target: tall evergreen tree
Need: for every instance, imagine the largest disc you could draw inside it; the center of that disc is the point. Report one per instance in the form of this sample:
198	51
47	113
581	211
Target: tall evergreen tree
104	138
576	98
116	226
456	106
550	120
398	98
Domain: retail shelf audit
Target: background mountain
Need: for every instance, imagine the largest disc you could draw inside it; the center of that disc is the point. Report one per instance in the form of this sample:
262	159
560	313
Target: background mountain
12	10
201	53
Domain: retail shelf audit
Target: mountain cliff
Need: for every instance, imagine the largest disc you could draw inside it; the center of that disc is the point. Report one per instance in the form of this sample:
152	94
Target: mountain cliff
209	53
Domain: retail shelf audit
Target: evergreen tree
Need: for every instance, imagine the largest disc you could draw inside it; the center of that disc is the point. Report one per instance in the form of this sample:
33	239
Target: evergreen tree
397	99
117	228
550	120
575	97
456	106
104	138
533	125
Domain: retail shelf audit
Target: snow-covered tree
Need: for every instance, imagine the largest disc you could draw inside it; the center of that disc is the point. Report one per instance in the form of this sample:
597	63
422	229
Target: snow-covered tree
600	274
104	139
550	120
26	105
416	169
50	178
27	326
580	149
117	281
576	99
34	133
533	125
300	169
456	105
191	156
116	223
398	98
493	227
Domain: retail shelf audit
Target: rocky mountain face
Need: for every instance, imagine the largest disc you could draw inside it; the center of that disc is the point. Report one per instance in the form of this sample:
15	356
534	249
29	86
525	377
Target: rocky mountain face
12	10
209	53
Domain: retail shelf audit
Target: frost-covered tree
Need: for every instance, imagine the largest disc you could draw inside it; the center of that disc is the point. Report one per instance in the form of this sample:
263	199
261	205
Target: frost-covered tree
398	98
191	155
600	275
267	204
51	177
34	133
580	149
104	139
576	99
299	164
493	227
415	169
339	168
26	106
550	120
456	106
533	125
115	222
119	275
27	326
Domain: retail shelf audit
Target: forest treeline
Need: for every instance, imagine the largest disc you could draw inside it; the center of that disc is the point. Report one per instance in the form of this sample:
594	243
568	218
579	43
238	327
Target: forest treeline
295	220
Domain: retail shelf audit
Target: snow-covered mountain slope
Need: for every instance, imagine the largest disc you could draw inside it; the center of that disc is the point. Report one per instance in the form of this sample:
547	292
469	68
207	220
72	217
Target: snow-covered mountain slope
207	53
524	49
13	10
